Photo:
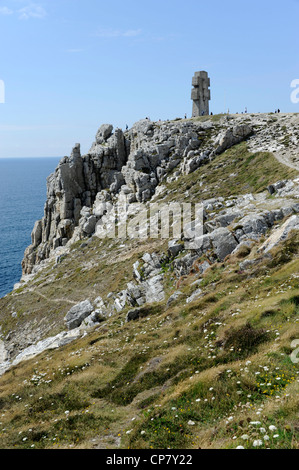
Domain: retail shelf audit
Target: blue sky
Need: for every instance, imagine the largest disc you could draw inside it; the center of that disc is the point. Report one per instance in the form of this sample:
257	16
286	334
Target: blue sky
71	65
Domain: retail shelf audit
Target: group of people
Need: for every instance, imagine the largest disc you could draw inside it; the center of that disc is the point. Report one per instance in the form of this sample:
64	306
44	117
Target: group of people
185	117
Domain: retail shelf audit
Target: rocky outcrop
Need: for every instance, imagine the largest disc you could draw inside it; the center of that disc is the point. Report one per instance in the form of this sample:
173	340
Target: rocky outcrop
71	191
131	164
77	314
281	233
135	165
232	136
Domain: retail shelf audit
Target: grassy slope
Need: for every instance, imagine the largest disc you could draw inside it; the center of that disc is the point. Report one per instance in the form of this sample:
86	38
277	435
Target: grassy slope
236	171
216	363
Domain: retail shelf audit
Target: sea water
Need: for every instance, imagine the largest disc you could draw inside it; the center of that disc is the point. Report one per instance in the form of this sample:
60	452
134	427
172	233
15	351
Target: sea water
23	193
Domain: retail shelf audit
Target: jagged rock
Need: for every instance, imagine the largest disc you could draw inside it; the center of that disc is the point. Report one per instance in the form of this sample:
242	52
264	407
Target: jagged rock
36	235
154	290
223	220
230	137
3	352
193	161
223	242
281	233
97	316
89	224
136	272
272	188
175	247
75	184
182	266
173	297
134	165
254	225
53	342
104	133
135	294
152	265
77	314
84	190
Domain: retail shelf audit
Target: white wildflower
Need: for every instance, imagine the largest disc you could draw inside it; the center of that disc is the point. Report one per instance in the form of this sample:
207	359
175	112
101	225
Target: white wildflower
257	443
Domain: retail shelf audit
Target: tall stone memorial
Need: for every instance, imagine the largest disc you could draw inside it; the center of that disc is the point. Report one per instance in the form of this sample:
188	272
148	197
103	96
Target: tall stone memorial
200	94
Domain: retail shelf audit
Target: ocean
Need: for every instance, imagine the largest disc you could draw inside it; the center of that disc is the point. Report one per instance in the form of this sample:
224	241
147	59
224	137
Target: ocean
23	193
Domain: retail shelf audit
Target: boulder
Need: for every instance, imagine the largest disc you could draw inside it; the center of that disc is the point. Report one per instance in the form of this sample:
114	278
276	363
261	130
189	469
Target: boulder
89	225
223	242
154	291
104	133
77	314
97	316
272	188
230	137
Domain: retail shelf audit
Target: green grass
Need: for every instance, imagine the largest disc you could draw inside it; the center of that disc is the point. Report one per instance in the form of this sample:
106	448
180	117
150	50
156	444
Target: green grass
96	386
184	376
236	171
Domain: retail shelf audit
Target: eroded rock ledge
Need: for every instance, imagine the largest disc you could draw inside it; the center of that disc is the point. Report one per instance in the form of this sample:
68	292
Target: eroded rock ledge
133	163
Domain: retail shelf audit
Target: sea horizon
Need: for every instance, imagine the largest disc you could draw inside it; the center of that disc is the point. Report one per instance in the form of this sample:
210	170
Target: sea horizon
22	197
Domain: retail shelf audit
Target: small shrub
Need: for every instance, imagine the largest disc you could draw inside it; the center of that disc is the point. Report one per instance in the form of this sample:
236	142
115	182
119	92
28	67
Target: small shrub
245	339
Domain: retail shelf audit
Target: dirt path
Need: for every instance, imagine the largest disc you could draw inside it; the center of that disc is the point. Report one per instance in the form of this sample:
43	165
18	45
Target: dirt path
278	134
57	300
288	159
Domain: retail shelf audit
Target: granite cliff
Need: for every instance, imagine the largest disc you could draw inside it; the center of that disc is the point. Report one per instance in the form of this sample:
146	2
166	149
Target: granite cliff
217	298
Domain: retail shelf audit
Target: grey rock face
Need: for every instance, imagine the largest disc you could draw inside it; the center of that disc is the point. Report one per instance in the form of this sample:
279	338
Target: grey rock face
223	242
36	235
149	287
104	133
88	224
193	161
230	137
3	352
281	233
136	164
77	314
154	290
75	184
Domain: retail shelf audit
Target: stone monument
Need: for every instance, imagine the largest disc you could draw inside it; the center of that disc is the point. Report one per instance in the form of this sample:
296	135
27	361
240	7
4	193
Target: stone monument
200	94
